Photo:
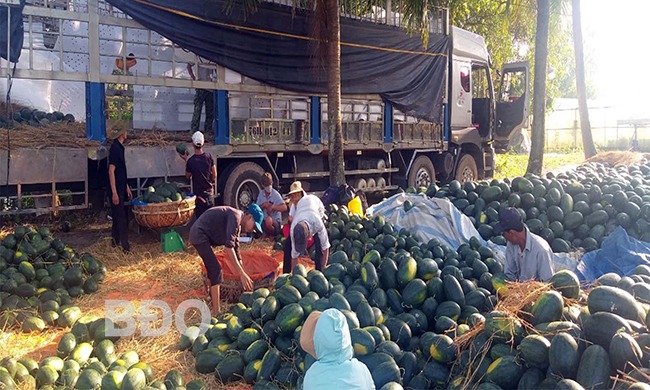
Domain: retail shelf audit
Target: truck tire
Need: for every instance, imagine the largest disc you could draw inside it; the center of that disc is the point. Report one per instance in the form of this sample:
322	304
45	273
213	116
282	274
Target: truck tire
243	185
361	184
422	173
371	184
467	170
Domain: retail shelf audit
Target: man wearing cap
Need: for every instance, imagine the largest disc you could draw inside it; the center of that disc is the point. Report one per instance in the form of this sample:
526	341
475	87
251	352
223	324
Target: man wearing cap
272	204
326	337
120	192
307	221
528	256
200	168
221	226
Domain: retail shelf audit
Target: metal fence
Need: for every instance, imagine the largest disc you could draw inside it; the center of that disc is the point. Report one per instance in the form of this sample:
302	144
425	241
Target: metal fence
612	128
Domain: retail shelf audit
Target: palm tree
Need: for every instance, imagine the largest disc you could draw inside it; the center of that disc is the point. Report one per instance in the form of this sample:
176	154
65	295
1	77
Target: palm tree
585	125
415	14
536	158
327	34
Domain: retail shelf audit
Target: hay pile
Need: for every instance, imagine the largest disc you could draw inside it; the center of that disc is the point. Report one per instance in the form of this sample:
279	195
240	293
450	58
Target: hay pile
516	302
616	158
145	273
59	134
73	135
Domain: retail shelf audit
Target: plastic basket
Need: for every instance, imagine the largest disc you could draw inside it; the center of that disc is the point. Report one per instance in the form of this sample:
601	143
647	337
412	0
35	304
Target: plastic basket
166	214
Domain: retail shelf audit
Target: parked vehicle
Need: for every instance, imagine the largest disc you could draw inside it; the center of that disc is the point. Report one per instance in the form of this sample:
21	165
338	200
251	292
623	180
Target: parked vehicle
411	115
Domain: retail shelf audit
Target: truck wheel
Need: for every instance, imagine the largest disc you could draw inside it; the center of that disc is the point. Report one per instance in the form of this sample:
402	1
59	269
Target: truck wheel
371	184
422	173
466	170
361	184
243	185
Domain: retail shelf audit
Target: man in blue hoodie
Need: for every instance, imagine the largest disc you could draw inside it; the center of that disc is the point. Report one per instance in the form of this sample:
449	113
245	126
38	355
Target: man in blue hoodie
326	336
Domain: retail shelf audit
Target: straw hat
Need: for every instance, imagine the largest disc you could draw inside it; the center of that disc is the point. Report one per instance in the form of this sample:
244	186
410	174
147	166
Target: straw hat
130	62
307	333
117	130
296	186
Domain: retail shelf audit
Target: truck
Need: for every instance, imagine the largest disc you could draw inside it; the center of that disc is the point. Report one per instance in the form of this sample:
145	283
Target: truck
412	115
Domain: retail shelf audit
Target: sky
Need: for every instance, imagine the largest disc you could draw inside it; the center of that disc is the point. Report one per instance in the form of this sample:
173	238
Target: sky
616	45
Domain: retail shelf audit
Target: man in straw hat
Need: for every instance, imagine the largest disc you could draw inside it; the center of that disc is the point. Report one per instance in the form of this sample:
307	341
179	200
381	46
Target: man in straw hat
326	337
124	67
119	188
306	222
200	168
221	226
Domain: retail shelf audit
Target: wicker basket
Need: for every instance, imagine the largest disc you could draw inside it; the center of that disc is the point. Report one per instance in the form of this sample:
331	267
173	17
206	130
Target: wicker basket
166	214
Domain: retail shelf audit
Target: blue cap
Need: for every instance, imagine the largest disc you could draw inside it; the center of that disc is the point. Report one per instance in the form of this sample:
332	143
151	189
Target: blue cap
258	216
509	219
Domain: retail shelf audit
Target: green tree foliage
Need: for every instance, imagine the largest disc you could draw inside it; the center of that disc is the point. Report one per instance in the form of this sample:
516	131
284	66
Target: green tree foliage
509	29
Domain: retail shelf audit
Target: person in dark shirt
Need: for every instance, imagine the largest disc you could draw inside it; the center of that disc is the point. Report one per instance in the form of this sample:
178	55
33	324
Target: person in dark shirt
221	226
120	192
200	168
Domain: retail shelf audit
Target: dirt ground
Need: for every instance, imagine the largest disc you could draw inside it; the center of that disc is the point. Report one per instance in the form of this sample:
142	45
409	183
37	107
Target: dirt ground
146	273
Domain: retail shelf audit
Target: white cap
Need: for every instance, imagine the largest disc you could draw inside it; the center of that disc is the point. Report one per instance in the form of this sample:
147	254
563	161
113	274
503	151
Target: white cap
198	139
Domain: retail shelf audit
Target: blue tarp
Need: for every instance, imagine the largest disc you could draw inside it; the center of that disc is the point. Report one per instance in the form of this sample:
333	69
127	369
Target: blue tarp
619	253
11	29
273	45
439	218
429	218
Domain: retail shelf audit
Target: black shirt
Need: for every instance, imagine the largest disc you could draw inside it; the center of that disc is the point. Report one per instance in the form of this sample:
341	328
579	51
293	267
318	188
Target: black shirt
200	167
219	225
116	157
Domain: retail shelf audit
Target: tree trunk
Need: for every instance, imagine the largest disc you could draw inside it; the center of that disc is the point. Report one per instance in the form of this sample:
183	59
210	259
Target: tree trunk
585	125
536	158
335	131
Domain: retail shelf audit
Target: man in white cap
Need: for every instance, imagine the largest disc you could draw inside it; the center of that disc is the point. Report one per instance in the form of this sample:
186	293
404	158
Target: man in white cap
306	221
200	168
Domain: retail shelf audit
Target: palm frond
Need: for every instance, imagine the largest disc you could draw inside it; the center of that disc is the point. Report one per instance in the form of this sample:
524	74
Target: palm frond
247	7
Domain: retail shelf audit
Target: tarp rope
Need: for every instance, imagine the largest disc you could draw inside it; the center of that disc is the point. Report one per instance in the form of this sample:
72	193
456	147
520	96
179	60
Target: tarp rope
282	34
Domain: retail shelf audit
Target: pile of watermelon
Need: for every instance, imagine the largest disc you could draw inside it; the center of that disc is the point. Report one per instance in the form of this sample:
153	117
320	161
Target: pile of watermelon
406	304
39	277
567	338
576	209
34	117
87	359
165	192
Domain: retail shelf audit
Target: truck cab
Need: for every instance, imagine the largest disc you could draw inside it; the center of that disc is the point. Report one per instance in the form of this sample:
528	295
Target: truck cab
479	118
512	103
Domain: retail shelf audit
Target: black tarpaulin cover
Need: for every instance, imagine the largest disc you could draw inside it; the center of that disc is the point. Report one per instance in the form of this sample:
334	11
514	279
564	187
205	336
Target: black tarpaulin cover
273	46
11	28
